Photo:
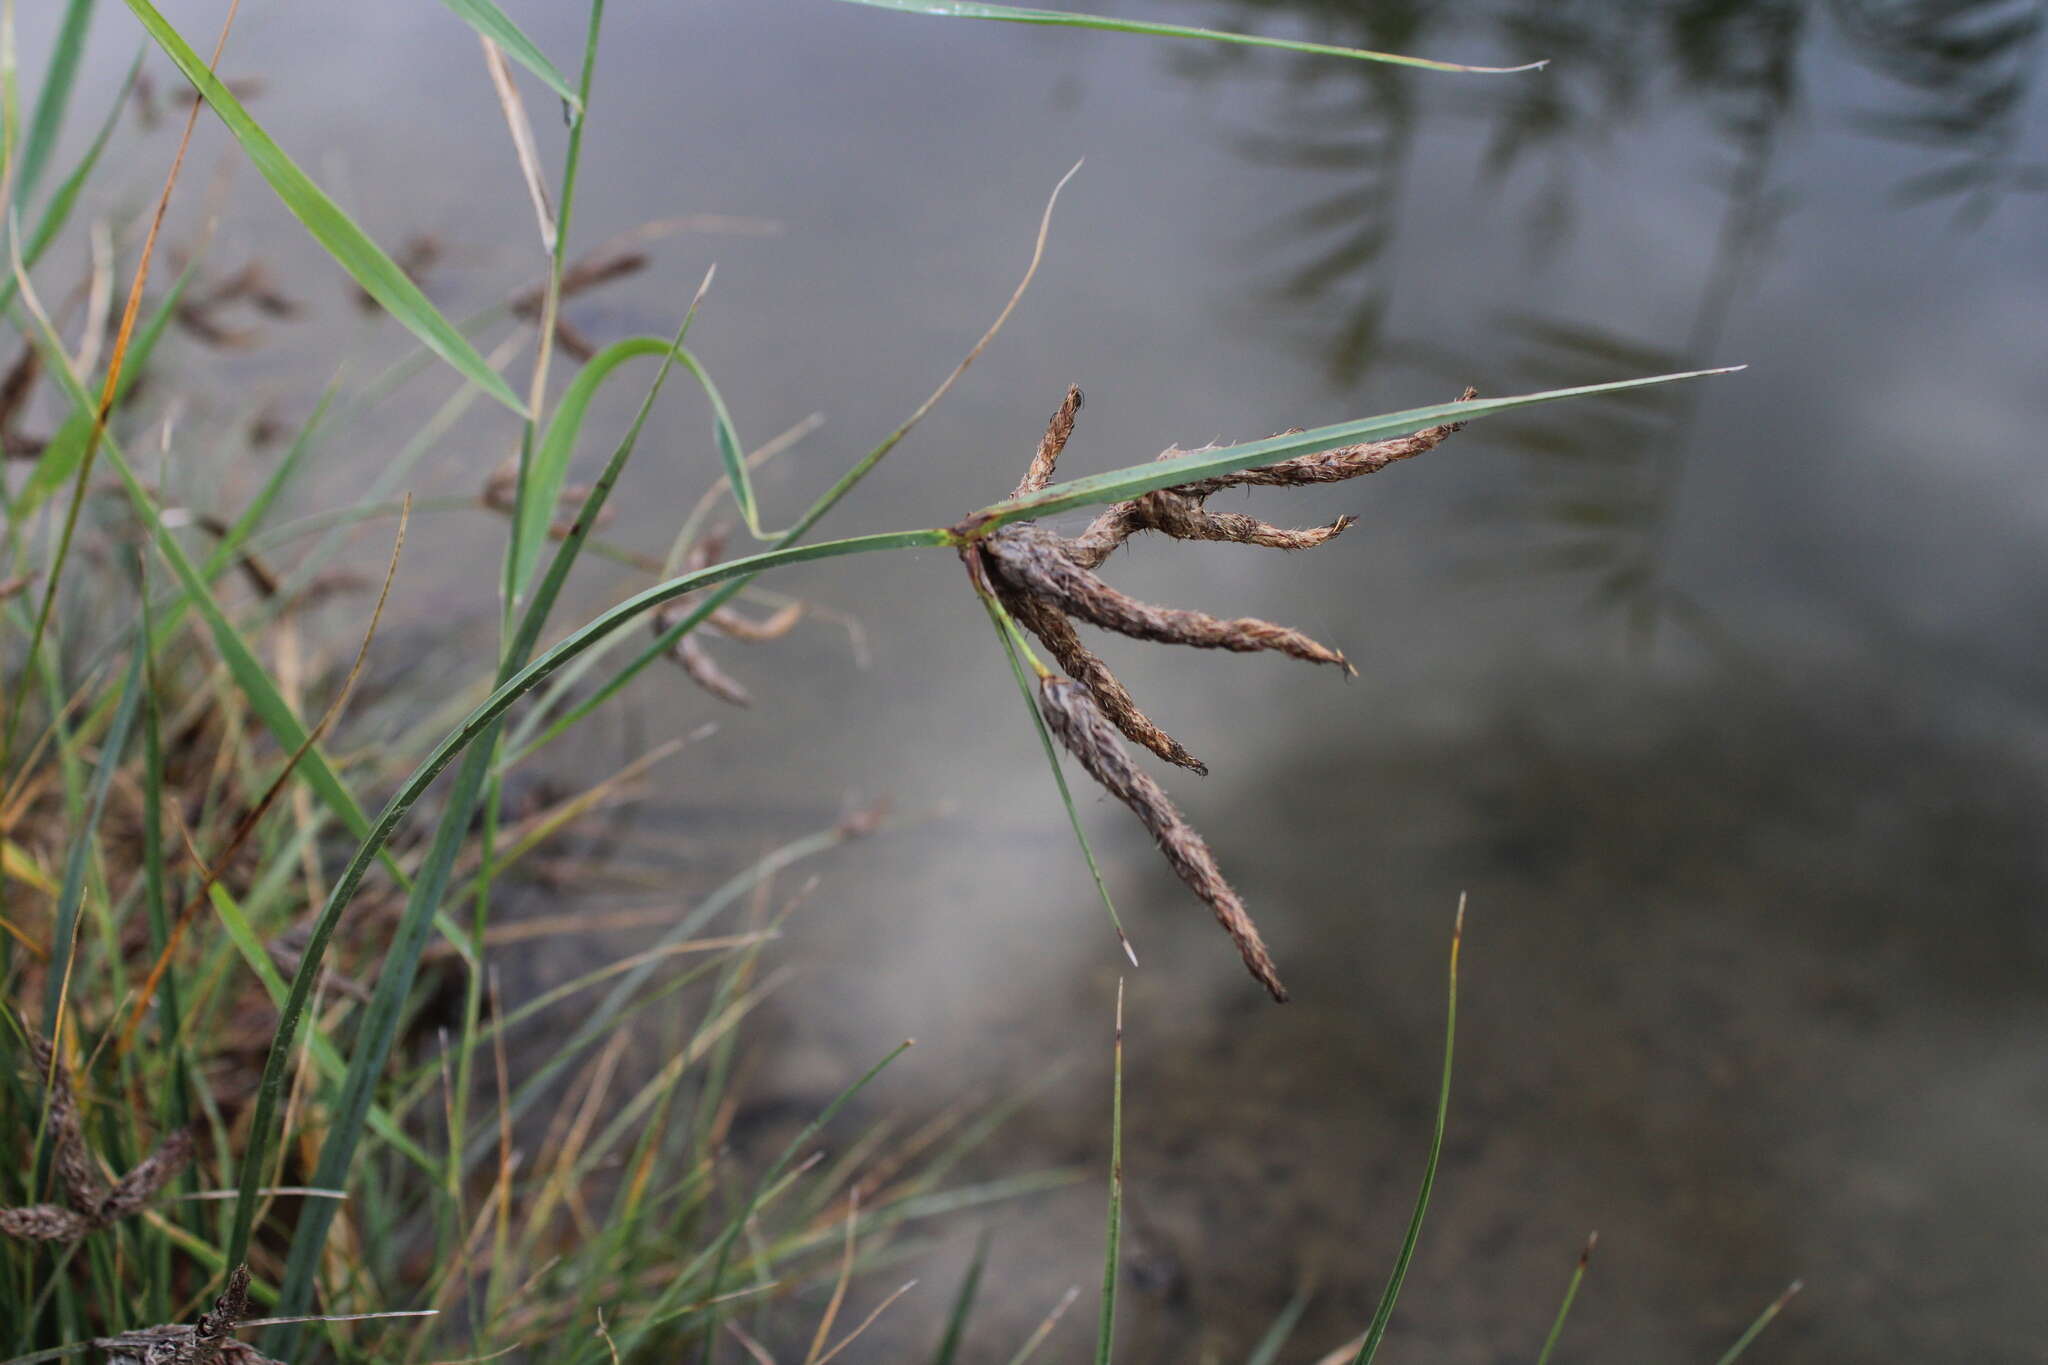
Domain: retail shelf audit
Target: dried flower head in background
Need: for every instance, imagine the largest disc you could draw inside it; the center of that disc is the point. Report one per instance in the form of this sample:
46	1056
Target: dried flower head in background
689	651
89	1202
210	1341
1046	582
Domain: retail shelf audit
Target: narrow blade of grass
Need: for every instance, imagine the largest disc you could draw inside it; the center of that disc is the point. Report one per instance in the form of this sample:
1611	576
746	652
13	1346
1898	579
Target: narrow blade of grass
348	245
1044	1328
1105	1334
1276	1337
549	472
1385	1312
82	845
1134	480
963	1306
1763	1320
1571	1292
1013	14
59	461
60	75
1018	653
492	22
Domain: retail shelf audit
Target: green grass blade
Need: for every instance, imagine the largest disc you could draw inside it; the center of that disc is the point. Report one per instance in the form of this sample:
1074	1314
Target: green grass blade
348	245
731	453
1012	14
57	212
1015	648
492	22
480	720
259	507
1763	1320
963	1306
243	935
400	963
82	837
1119	484
60	459
1571	1292
719	1252
248	673
1105	1334
60	74
1276	1337
549	473
1385	1312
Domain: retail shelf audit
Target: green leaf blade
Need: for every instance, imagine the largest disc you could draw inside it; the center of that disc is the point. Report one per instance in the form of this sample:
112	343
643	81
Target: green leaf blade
348	245
493	23
1014	14
1134	480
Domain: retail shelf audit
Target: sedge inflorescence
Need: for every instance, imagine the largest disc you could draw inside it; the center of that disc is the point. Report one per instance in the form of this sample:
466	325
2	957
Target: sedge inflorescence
1046	583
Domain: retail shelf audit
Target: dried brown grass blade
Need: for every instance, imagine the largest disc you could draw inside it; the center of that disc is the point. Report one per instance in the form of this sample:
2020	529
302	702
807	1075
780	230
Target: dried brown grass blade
514	108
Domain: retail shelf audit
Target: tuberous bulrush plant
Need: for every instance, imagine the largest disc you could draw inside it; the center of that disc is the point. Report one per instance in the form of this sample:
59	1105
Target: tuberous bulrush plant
1044	582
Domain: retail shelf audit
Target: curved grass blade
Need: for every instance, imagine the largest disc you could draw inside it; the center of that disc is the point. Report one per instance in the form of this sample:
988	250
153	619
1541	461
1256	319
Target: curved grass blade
1385	1312
348	245
381	1019
549	472
1012	14
1119	484
1763	1320
492	22
479	721
1571	1291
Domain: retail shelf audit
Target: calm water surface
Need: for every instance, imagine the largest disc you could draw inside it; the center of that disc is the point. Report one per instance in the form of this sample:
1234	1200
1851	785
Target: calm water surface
1725	704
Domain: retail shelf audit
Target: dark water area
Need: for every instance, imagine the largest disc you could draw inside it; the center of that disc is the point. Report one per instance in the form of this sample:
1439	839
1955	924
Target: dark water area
1724	704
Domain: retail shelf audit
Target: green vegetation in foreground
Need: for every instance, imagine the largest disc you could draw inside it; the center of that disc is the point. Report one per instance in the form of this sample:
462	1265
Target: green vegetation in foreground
204	1074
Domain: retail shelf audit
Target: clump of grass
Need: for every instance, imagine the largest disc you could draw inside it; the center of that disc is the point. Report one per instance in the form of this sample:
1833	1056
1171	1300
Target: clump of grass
278	1014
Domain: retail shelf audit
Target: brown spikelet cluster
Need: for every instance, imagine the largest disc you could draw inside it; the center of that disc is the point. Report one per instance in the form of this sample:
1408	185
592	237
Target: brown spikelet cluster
199	311
1073	716
1047	582
689	651
210	1341
89	1202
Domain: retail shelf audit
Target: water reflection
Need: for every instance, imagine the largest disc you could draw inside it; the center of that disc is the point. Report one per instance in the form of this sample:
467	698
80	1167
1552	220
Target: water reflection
1971	64
1603	485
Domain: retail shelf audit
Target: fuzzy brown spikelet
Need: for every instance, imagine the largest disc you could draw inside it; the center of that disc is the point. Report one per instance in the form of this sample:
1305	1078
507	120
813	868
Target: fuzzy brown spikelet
1033	561
1070	712
210	1341
1044	581
89	1203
